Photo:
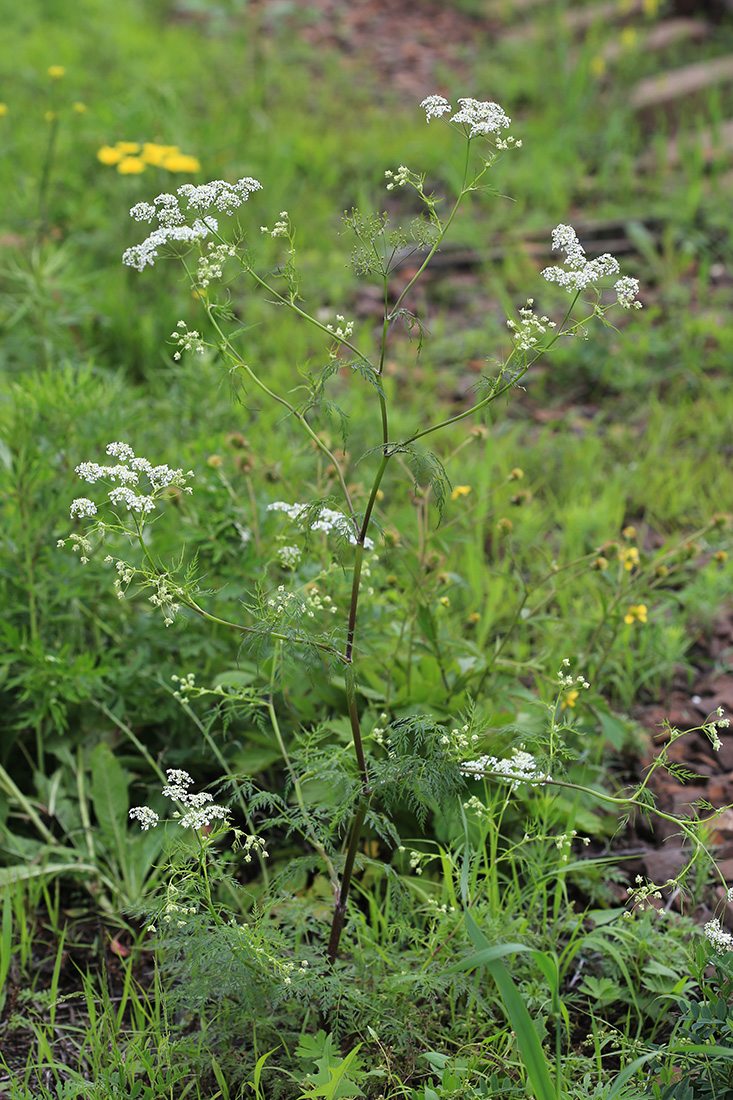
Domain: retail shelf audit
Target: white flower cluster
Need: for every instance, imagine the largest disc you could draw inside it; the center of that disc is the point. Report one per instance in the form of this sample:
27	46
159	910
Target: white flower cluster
289	556
281	228
187	340
521	768
172	211
530	327
579	273
211	264
339	332
328	520
128	472
200	808
480	116
721	941
398	178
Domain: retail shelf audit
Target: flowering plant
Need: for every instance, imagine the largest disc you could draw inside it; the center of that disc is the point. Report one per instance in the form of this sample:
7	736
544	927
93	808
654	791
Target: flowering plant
410	758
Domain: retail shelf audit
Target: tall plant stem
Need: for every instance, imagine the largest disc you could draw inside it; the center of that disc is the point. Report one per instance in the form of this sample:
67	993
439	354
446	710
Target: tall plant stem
339	912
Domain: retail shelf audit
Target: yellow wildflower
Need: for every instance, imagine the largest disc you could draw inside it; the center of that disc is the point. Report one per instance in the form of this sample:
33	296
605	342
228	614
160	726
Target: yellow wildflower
598	65
460	491
569	699
79	107
629	555
3	109
131	166
628	37
50	116
636	612
215	461
444	601
108	155
155	154
56	72
181	162
128	148
721	556
629	532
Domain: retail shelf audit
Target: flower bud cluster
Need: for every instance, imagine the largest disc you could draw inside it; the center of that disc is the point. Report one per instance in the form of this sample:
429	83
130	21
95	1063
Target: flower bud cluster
187	340
398	178
281	228
565	680
341	333
211	264
530	327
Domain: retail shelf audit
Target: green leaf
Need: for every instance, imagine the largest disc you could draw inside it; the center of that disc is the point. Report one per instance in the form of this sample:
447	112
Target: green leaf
528	1040
110	798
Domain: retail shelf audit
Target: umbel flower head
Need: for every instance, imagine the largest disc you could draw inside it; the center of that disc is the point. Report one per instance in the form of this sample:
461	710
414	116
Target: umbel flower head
578	273
186	216
127	472
480	116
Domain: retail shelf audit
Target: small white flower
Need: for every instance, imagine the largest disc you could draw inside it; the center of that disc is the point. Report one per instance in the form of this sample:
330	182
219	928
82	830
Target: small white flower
721	941
435	106
148	818
82	507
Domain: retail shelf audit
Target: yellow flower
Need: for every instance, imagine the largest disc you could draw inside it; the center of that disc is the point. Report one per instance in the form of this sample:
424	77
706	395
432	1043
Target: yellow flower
629	532
154	154
516	474
474	618
628	37
637	611
3	109
108	155
444	601
181	162
569	699
50	116
629	556
56	72
215	461
721	556
598	65
131	166
460	491
128	148
79	108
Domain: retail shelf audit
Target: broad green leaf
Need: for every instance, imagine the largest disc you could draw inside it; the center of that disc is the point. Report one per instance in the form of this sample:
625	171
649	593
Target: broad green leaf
110	798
